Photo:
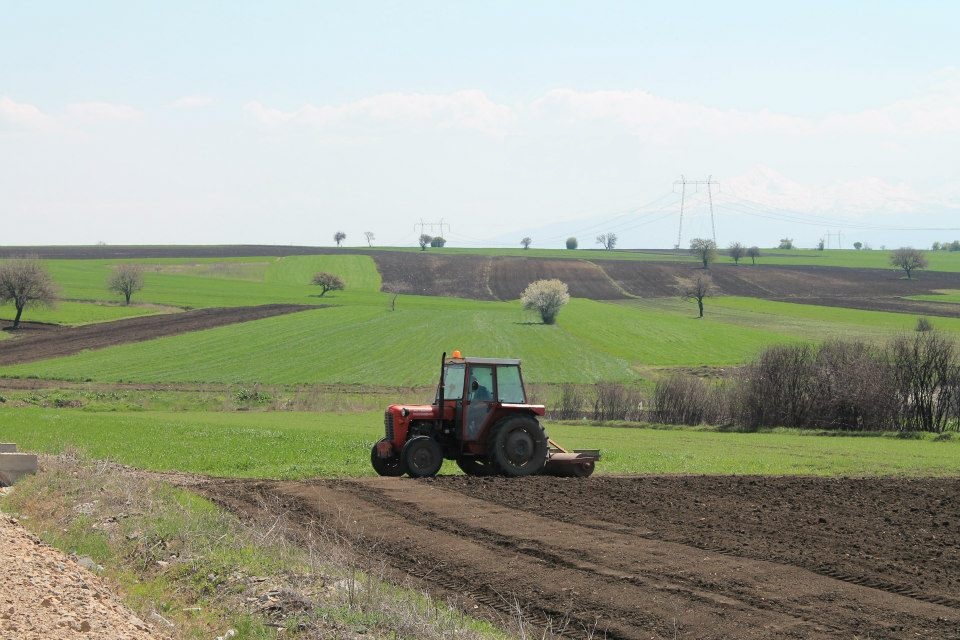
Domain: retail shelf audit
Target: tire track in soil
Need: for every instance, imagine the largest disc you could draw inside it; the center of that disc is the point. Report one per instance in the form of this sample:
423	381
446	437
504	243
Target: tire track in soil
618	583
874	523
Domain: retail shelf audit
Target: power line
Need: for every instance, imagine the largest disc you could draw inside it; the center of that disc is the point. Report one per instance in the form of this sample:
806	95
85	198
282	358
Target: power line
432	225
683	182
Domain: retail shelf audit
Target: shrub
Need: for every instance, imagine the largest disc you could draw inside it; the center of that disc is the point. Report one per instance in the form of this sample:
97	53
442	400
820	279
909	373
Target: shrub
684	399
571	404
615	401
924	324
546	297
571	243
927	373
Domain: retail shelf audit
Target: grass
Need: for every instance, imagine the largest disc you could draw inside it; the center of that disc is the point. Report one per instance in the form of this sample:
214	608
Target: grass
301	445
78	313
361	341
197	283
948	295
368	344
805	319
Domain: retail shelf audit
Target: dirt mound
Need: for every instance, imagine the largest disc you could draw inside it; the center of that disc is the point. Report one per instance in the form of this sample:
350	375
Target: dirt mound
63	341
644	558
48	595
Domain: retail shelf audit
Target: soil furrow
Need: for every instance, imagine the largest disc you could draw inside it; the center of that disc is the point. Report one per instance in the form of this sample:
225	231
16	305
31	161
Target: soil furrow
557	564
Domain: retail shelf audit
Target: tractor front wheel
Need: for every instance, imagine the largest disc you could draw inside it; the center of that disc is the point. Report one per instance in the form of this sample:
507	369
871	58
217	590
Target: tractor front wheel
422	457
390	467
518	446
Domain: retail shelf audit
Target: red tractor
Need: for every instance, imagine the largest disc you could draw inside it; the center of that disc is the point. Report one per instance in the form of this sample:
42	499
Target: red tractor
481	419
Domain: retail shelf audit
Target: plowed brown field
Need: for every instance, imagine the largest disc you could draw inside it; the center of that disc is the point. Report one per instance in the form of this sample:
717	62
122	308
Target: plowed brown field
683	557
504	278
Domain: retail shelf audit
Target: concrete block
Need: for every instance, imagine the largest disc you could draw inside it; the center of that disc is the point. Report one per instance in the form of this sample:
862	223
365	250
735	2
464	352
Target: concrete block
8	447
14	466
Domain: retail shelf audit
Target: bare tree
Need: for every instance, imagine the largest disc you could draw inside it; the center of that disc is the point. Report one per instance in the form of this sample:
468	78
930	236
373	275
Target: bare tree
546	297
526	242
25	282
736	251
753	253
425	241
327	282
607	240
126	279
370	237
339	237
705	250
908	259
696	288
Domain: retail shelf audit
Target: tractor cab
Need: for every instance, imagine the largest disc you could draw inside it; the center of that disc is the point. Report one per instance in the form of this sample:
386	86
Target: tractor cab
478	389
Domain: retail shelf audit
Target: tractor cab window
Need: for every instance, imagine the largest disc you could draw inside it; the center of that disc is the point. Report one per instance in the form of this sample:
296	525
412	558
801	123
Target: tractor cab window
481	383
453	381
509	386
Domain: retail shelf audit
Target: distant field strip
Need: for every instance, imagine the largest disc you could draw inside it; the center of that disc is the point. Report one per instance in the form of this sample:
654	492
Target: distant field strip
946	296
302	445
65	340
198	283
77	313
832	321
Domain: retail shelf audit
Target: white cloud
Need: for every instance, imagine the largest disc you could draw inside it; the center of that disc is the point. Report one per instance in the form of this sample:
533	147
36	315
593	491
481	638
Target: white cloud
936	111
855	197
649	115
191	102
20	115
101	111
469	110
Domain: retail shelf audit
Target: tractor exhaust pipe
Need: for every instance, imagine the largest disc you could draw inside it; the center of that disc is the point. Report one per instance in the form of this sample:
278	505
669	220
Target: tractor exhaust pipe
443	361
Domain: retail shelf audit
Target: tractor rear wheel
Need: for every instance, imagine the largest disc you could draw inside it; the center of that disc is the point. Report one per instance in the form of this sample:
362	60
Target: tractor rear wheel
518	446
390	467
422	457
475	466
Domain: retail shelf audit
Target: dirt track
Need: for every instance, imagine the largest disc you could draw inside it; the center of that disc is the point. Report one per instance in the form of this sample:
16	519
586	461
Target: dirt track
655	557
62	341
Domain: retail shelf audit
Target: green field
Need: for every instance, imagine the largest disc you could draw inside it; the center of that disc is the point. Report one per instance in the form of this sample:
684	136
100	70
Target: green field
220	282
300	445
77	313
361	341
944	296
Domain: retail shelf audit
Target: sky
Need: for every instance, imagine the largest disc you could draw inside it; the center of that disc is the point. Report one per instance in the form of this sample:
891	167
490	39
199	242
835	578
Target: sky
285	122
